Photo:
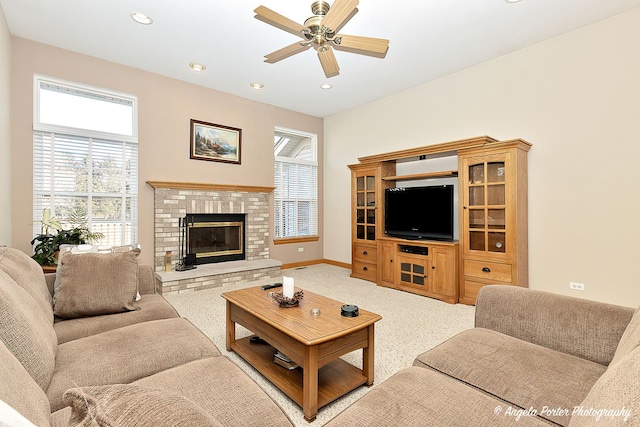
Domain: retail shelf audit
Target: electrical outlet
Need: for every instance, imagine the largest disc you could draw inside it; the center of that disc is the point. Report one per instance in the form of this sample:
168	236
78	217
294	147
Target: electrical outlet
300	249
576	286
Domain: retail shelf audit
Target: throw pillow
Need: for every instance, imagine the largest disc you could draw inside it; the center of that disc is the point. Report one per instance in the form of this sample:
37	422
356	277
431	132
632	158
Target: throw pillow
125	405
93	284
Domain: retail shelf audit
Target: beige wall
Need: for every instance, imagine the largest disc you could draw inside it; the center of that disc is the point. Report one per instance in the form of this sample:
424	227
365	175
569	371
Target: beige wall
5	134
576	97
165	108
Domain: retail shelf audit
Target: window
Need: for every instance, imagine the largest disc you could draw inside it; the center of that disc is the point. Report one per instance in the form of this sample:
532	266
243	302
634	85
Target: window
296	182
85	158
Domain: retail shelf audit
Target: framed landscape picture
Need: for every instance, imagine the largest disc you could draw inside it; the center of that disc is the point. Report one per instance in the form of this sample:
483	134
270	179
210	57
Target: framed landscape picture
216	143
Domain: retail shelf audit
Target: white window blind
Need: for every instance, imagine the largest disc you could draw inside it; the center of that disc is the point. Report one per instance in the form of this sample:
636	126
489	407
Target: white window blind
94	170
296	186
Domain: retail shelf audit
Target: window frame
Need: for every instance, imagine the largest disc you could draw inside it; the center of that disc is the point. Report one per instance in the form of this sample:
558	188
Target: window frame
314	163
53	130
47	127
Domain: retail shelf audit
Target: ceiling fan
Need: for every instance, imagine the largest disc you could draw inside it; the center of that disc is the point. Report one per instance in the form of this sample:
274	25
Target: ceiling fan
320	32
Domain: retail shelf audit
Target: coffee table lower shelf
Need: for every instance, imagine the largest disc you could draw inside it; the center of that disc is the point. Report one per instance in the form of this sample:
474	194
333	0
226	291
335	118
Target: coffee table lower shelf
335	379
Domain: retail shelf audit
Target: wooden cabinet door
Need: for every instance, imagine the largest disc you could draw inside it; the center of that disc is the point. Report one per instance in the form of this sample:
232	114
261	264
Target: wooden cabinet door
413	272
486	198
443	280
365	204
386	263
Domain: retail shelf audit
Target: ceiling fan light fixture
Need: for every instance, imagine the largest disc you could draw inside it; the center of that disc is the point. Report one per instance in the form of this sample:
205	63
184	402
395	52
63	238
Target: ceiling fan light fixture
141	18
256	86
197	67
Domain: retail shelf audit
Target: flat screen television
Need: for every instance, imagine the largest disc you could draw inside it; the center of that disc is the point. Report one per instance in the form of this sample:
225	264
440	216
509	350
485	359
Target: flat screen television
419	212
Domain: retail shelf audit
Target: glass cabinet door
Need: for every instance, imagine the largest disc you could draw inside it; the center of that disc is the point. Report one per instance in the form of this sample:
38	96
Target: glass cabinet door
412	272
366	207
485	205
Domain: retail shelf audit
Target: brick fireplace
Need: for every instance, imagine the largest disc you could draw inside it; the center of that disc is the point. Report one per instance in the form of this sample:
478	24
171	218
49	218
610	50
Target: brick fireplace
173	201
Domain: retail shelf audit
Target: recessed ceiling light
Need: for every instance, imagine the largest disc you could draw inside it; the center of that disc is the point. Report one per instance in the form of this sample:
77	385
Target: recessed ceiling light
512	1
256	86
326	86
141	18
197	67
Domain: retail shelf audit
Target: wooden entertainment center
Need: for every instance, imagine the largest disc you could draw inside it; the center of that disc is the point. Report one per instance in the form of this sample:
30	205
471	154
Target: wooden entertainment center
492	214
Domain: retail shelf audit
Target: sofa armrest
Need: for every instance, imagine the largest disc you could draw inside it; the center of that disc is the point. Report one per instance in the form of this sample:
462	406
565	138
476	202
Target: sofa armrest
146	279
587	329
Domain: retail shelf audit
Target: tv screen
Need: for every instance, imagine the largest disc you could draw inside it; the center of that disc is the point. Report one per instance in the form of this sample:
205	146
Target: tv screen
419	212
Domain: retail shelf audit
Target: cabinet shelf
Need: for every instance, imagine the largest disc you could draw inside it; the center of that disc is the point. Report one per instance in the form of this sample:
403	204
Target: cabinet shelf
482	184
427	175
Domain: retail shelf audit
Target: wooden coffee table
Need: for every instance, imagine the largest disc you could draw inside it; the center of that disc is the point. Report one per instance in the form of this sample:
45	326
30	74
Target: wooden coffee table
313	342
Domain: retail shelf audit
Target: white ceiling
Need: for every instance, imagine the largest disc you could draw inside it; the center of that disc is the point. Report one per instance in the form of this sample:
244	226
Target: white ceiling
428	39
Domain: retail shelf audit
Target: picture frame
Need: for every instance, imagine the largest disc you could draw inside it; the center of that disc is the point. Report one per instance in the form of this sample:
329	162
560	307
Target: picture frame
215	143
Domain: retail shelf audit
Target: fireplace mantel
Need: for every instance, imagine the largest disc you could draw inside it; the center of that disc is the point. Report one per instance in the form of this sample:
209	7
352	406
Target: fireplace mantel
209	187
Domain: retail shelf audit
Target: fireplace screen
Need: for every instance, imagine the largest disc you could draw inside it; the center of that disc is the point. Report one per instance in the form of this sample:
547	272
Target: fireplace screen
215	237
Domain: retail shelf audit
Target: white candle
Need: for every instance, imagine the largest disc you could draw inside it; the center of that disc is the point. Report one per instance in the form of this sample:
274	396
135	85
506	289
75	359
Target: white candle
287	286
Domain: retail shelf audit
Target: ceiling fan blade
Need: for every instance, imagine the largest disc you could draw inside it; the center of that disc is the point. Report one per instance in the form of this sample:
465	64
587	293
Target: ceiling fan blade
362	45
329	63
267	15
285	52
351	15
339	13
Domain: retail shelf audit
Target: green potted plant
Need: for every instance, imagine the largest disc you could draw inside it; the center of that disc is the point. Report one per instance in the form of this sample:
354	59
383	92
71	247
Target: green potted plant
53	234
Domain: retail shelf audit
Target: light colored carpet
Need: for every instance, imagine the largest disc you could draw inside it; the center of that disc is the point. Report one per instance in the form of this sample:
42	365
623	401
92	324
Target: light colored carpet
410	325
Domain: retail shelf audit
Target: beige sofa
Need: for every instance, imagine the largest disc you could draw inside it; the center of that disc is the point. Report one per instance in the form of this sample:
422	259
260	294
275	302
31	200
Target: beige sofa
533	358
145	366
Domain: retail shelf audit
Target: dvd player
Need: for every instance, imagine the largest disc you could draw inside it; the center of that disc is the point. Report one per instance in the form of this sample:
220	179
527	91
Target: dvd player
418	250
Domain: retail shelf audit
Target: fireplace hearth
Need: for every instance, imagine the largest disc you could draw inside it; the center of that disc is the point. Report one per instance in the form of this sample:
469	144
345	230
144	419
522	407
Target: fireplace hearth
215	237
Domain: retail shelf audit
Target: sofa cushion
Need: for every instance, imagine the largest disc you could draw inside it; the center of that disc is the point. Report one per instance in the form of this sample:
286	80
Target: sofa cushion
420	397
96	283
28	274
221	388
20	391
126	354
125	405
523	374
617	392
152	307
630	338
27	331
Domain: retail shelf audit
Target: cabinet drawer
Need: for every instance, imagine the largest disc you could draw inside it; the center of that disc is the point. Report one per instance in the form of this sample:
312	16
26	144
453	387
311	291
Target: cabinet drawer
365	269
365	253
469	291
488	270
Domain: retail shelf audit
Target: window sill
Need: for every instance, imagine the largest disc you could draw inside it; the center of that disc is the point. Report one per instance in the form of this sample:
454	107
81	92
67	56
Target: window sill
287	240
